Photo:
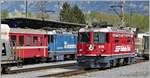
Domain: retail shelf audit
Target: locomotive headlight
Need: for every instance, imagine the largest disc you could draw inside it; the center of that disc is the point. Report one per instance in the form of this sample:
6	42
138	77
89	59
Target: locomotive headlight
91	47
101	46
80	50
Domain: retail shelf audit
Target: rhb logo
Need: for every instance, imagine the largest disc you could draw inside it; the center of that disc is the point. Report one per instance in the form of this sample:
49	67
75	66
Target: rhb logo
122	48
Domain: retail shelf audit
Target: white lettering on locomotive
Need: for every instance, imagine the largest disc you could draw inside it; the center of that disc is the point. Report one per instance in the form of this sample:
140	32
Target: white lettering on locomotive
70	46
122	48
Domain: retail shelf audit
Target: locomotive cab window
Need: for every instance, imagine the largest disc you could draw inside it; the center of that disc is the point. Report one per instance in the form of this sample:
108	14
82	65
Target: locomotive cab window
84	37
99	38
21	40
96	37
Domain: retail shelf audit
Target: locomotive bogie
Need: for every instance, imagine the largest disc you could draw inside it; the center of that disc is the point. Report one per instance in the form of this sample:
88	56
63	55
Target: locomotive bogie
105	61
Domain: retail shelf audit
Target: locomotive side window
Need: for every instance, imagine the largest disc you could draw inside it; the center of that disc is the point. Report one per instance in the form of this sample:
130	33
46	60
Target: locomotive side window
3	49
129	39
13	39
107	37
116	39
28	40
35	40
99	38
84	37
21	40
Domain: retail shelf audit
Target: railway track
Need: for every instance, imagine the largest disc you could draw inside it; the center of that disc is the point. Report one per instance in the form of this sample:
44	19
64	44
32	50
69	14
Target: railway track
61	74
20	70
82	71
71	73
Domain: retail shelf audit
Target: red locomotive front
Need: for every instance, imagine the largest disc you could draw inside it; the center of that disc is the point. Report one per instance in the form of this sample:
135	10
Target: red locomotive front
104	47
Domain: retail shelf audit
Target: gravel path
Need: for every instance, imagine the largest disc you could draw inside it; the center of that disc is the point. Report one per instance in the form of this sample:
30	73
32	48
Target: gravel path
140	70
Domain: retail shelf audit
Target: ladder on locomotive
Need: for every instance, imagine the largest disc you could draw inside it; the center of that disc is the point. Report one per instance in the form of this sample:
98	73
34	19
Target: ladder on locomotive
15	54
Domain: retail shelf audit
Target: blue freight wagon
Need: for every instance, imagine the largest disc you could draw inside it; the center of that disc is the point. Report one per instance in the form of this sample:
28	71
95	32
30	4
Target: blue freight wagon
62	46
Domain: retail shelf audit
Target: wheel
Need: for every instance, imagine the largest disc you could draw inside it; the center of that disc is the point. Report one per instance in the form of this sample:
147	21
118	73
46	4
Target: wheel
125	62
111	63
43	60
117	62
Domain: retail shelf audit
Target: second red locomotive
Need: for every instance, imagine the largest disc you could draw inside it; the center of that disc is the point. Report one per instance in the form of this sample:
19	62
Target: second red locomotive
105	47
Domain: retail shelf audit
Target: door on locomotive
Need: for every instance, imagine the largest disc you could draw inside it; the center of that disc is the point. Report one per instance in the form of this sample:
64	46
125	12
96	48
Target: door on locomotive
146	47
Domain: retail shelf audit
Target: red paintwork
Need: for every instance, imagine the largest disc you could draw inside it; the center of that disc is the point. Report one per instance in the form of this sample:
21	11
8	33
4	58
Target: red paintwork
82	48
31	51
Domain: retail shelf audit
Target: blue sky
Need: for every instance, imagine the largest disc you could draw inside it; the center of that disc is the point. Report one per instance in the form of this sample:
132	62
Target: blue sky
138	6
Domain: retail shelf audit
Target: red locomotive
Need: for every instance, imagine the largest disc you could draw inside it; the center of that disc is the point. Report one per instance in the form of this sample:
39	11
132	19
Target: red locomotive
105	47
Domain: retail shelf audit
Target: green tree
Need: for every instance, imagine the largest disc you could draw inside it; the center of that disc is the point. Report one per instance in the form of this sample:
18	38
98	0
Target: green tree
136	20
71	14
102	17
42	16
4	14
65	13
78	15
30	14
